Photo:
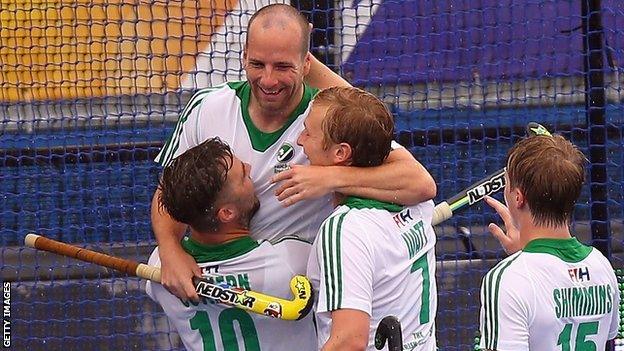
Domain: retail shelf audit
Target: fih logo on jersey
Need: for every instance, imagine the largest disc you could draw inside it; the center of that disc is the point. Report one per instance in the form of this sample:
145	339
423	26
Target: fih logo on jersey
401	219
285	153
580	274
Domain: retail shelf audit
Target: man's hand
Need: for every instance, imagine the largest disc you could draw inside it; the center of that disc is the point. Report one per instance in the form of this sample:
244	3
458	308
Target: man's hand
177	271
302	183
510	240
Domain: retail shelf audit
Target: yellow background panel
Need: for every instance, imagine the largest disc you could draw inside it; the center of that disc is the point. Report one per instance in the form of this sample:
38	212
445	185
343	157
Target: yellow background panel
86	48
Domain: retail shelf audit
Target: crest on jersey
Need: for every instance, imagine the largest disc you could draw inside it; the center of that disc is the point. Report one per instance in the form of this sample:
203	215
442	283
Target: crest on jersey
285	153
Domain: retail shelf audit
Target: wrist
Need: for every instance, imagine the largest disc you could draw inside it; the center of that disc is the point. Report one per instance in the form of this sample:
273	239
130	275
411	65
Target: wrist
337	178
170	247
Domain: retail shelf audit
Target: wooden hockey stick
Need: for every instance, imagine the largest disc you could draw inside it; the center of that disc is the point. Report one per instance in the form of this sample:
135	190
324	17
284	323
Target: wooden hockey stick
249	300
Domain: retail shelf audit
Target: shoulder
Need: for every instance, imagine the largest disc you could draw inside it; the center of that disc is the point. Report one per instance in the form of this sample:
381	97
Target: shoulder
292	252
291	242
603	263
217	92
341	221
506	273
423	210
344	231
599	257
203	96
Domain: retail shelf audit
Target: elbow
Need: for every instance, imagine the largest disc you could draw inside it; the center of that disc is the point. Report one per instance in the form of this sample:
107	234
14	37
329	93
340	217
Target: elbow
421	190
427	188
430	189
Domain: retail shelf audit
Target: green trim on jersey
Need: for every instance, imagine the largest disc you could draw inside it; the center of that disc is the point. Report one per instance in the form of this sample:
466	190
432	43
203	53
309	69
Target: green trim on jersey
211	253
491	285
171	146
568	250
261	141
362	203
289	237
330	242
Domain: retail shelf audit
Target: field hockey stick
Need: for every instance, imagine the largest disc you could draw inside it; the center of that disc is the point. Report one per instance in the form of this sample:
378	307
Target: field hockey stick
389	329
247	300
489	185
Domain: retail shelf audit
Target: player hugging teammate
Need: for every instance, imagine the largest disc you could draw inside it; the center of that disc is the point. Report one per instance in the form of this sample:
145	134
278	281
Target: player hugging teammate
257	119
374	254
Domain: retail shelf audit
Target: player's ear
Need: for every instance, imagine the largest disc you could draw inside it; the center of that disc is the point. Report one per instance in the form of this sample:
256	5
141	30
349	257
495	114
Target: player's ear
519	198
342	154
227	213
307	62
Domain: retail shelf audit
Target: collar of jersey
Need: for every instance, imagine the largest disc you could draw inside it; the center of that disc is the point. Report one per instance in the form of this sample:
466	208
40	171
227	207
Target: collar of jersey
569	250
361	203
260	141
212	253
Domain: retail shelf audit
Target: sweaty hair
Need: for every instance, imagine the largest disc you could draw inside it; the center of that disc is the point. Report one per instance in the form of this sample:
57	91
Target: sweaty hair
276	14
191	184
549	171
359	119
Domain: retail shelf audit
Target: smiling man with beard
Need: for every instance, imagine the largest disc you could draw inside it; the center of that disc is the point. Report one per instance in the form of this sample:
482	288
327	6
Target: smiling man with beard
210	189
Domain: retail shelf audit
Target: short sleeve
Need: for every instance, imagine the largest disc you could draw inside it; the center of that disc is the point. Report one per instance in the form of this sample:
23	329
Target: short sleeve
504	316
345	265
184	135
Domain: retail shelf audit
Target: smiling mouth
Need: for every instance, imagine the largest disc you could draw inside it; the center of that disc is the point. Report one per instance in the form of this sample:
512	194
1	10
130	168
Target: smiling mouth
271	92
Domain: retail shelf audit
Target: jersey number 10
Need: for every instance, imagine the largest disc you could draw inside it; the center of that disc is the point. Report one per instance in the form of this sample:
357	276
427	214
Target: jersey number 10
201	322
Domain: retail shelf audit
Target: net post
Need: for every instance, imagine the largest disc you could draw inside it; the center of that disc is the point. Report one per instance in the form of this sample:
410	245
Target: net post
595	103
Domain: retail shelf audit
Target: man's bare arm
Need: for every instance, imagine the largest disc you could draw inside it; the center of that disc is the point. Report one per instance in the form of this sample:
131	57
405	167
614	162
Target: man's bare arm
322	77
177	267
349	330
401	180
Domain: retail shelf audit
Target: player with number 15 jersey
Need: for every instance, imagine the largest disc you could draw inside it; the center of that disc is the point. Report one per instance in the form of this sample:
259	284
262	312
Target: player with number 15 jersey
555	293
560	292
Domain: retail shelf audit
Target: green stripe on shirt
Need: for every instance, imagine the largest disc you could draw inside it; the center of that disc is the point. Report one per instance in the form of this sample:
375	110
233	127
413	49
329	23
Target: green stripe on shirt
492	285
332	260
171	146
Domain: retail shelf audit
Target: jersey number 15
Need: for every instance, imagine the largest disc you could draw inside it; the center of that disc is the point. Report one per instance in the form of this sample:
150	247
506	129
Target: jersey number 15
582	331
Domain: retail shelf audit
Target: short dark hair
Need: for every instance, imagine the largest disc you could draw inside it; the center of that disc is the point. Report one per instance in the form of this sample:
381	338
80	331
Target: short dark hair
359	119
191	184
290	13
549	171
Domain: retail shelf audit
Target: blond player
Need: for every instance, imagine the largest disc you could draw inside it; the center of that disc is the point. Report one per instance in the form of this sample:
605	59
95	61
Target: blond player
556	293
210	189
261	119
371	258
